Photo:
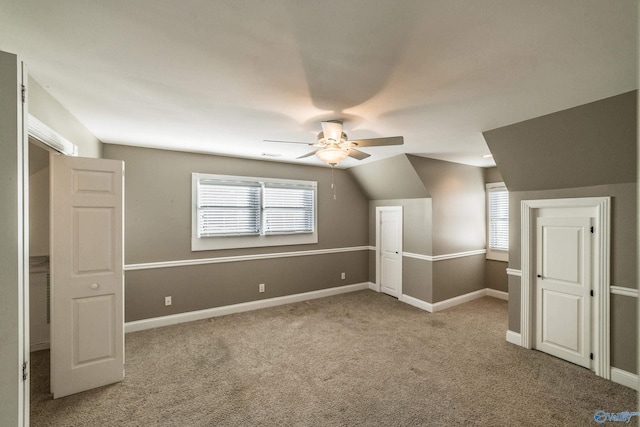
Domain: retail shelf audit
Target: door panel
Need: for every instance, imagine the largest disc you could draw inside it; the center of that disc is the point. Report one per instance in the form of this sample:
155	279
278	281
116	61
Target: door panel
93	318
91	255
390	238
563	288
87	316
559	308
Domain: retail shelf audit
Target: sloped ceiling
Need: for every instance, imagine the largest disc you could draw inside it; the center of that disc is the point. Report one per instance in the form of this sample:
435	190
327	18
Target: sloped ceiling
391	178
219	76
593	144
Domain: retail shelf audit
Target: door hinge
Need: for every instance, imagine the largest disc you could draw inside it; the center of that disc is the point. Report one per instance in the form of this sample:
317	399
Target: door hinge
592	229
23	90
591	292
591	356
25	374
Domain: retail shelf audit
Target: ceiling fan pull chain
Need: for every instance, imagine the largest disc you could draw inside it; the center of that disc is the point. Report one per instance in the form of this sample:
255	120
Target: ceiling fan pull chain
333	185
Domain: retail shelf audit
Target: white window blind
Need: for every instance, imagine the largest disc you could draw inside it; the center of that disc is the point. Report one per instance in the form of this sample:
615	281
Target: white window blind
288	209
228	209
498	218
239	211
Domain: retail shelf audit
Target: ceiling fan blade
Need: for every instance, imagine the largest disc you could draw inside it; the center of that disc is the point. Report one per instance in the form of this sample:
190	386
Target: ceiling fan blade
357	154
332	130
288	142
377	142
307	155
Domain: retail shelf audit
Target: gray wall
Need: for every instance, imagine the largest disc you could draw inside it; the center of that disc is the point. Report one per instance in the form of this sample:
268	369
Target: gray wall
391	178
495	271
584	146
451	221
587	151
49	111
416	238
458	224
458	194
38	201
417	223
623	268
10	261
417	278
492	175
496	275
458	276
624	339
158	228
624	214
215	285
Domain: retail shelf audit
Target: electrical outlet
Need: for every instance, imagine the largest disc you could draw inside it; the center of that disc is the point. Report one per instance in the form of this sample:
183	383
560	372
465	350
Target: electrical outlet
167	301
343	276
261	287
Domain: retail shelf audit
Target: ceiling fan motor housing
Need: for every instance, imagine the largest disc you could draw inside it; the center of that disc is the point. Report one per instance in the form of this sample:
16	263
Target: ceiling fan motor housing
324	142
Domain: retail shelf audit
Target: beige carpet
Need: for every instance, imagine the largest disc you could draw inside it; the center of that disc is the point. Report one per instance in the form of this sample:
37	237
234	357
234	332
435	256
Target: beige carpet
355	359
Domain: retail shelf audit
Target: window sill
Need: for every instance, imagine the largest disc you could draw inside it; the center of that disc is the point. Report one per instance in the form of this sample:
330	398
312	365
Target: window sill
216	243
495	255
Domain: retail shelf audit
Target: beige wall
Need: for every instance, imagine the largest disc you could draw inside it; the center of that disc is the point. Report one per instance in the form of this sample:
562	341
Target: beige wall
158	228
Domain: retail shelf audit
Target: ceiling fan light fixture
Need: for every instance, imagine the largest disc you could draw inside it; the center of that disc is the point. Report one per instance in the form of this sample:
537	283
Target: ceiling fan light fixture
332	155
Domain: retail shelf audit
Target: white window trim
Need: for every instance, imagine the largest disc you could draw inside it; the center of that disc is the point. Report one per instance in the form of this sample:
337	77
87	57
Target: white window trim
494	254
250	241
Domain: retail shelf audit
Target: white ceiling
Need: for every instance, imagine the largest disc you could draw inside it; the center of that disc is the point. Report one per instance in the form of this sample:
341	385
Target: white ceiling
220	76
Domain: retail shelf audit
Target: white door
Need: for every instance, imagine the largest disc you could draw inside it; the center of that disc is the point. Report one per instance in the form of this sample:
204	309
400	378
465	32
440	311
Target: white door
563	288
87	316
390	250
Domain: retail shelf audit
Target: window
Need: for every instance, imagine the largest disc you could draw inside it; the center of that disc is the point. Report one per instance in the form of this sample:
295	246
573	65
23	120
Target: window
287	209
236	212
497	222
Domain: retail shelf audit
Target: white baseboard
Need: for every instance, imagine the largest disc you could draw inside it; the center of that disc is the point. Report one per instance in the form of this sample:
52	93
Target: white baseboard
451	302
374	287
423	305
498	294
174	319
448	303
514	338
625	378
37	346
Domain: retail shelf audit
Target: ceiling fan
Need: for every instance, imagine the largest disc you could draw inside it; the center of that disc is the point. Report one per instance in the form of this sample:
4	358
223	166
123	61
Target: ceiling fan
333	146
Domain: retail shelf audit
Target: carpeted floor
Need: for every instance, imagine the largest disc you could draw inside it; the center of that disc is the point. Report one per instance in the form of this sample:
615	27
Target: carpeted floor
355	359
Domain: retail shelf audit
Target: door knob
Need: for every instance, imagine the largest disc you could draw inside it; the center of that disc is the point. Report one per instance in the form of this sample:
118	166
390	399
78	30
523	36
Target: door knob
94	286
539	276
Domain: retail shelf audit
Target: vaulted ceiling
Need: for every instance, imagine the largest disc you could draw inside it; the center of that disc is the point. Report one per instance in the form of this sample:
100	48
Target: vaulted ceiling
221	76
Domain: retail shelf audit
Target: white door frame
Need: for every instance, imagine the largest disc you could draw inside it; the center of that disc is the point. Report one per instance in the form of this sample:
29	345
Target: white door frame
24	387
379	210
601	282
